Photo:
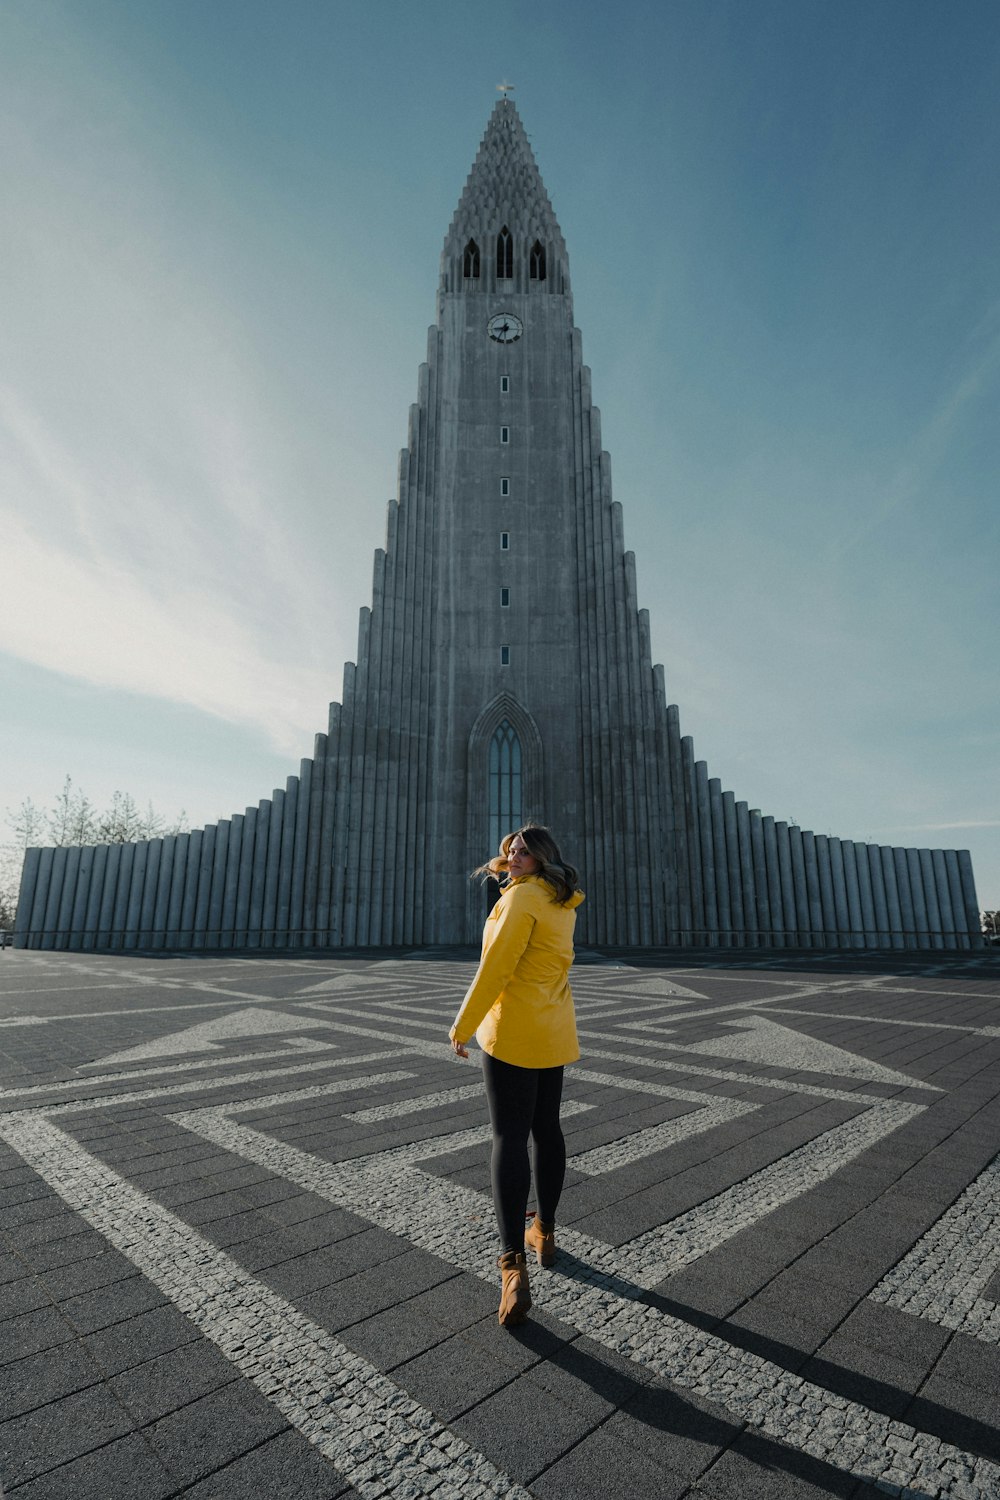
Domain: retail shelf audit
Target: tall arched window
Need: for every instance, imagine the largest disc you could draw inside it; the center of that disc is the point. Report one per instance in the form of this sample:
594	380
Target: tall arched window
536	261
470	260
505	255
505	783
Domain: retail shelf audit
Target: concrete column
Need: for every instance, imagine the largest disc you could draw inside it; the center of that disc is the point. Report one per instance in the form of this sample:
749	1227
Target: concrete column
721	863
971	903
287	861
762	896
321	795
789	891
147	909
841	917
92	918
175	904
863	878
109	897
64	920
244	882
255	920
217	887
877	878
732	868
189	904
748	894
164	884
892	900
957	896
206	869
231	883
919	901
664	900
709	873
943	894
772	875
669	814
50	919
824	868
297	896
905	898
123	897
269	912
929	882
26	898
681	840
692	825
814	894
137	879
84	880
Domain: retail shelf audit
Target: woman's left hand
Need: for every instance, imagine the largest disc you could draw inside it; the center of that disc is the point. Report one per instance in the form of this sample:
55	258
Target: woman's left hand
459	1048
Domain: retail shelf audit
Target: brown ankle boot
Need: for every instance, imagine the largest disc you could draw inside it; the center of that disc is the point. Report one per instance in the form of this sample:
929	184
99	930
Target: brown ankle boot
542	1239
515	1294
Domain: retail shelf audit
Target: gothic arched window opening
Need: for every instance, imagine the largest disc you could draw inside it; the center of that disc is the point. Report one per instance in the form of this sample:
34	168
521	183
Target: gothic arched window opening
536	261
470	260
505	783
505	255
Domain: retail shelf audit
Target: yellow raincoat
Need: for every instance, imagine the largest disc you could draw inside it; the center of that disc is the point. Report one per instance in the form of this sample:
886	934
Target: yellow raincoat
519	1005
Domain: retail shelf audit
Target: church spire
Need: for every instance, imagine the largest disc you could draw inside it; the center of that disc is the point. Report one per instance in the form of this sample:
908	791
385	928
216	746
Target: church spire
504	229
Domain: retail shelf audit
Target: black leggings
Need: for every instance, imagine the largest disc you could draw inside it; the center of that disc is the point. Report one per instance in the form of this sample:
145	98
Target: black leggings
523	1102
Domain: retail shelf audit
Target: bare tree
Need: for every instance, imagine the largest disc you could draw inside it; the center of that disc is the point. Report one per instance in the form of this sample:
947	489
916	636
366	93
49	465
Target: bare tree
73	819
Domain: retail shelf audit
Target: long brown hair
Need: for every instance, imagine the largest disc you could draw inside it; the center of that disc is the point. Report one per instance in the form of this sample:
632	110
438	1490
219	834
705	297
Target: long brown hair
540	844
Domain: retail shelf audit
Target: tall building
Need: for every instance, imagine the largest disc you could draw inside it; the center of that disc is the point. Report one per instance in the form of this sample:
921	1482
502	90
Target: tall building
503	673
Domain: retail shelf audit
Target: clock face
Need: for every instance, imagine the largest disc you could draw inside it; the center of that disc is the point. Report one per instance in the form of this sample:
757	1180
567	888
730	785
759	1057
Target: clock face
505	328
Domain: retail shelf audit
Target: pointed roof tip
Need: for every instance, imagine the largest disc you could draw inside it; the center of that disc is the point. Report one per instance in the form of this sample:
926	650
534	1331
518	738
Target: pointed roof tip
505	175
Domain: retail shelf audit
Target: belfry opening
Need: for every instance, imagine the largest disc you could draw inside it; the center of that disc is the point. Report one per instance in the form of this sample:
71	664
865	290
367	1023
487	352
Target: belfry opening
503	673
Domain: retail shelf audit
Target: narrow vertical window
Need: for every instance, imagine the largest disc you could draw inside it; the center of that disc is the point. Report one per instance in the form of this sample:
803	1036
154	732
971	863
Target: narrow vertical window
505	434
504	384
505	486
536	261
504	541
505	255
470	260
505	656
504	799
505	598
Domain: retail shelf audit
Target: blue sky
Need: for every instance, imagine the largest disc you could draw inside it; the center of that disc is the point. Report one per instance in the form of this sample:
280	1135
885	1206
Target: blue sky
220	266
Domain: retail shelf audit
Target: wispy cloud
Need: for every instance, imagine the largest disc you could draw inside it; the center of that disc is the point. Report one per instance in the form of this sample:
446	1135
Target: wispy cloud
93	619
930	444
942	827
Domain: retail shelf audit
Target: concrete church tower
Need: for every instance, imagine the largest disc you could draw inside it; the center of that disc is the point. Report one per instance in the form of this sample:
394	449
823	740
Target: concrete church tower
503	674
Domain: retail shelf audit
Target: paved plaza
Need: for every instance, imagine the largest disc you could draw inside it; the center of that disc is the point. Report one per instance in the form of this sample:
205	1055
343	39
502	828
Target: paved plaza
246	1247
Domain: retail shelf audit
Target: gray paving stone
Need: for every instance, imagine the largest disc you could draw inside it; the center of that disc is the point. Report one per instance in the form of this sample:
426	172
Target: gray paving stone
32	1332
120	1470
171	1379
606	1466
206	1434
108	1305
753	1469
369	1292
52	1435
774	1285
44	1377
132	1341
283	1466
522	1429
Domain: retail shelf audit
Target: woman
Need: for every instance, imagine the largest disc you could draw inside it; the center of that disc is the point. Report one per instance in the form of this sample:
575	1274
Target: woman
520	1007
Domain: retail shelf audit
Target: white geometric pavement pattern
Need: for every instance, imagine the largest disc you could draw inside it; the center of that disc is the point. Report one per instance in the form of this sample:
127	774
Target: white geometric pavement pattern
290	1358
944	1276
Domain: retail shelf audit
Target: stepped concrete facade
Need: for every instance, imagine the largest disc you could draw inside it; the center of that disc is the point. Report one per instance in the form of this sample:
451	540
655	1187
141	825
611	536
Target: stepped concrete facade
503	673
